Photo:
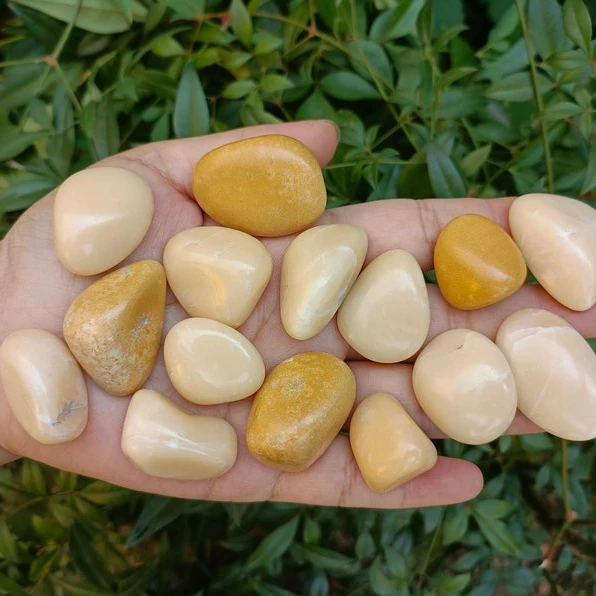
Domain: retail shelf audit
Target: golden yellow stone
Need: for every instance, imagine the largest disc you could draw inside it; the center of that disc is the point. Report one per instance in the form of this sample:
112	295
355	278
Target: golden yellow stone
477	263
299	410
114	327
266	186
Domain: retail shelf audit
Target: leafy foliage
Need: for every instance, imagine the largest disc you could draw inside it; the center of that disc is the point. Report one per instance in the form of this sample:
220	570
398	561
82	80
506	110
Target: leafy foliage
433	98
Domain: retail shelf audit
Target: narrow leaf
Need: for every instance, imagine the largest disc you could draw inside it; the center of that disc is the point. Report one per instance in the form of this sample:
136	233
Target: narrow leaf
316	106
87	560
157	513
517	87
238	89
398	21
126	6
15	142
274	546
545	22
348	86
241	22
590	179
445	179
191	112
472	162
577	23
498	535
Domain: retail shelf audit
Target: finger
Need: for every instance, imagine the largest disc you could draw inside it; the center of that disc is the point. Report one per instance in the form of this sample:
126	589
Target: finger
6	457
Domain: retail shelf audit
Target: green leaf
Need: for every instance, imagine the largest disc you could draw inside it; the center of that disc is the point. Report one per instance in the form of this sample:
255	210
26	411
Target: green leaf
87	560
348	86
316	106
241	22
166	46
191	112
32	478
15	142
11	587
545	21
365	546
274	546
155	14
445	179
397	22
326	559
518	87
24	193
157	513
126	6
455	74
311	531
274	83
43	563
101	125
452	584
455	524
238	89
577	23
102	493
473	161
498	535
395	562
80	588
492	508
266	42
97	16
562	110
367	56
381	584
590	178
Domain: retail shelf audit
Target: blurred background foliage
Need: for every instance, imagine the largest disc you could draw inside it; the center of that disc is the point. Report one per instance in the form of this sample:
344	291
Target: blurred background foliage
434	98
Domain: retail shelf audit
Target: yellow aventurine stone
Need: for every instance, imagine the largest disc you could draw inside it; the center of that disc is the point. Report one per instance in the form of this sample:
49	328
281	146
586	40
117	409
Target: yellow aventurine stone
266	186
477	263
299	410
114	327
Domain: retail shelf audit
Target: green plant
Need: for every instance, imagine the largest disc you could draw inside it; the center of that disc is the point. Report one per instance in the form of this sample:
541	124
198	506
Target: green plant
433	98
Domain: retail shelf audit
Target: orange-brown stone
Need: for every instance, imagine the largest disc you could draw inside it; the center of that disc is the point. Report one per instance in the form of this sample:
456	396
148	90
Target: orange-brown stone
114	327
266	186
477	263
299	410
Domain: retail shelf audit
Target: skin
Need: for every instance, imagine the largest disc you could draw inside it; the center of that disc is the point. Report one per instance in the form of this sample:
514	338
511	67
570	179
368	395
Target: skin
36	292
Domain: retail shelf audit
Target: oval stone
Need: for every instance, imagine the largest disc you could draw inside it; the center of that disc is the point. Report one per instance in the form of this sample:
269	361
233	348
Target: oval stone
386	315
270	185
163	440
555	372
477	263
114	327
217	273
299	410
319	268
464	384
44	386
100	216
389	448
557	237
211	363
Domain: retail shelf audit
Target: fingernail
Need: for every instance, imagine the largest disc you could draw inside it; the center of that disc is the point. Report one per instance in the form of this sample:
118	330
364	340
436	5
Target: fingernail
336	126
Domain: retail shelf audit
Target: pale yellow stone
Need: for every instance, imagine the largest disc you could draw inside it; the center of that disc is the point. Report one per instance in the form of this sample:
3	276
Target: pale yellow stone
389	448
114	327
464	384
163	440
299	410
269	185
557	237
319	268
44	386
386	315
217	273
100	216
211	363
555	372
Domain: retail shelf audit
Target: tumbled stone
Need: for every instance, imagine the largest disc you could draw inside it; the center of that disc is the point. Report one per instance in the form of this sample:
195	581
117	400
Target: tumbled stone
266	186
554	370
557	237
477	263
299	410
44	386
464	384
163	440
217	273
114	327
319	268
100	216
211	363
389	448
386	315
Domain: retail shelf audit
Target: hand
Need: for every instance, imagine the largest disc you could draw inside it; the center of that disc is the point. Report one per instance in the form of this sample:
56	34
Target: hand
36	291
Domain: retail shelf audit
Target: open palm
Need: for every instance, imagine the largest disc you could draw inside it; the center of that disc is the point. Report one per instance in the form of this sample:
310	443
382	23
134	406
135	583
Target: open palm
36	291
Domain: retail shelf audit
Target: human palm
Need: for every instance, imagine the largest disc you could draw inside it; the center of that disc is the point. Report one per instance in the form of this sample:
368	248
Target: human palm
36	291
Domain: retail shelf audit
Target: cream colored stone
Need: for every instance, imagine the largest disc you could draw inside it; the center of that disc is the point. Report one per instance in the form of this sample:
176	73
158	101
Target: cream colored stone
100	216
557	237
44	386
464	384
389	448
555	372
319	268
217	273
163	440
386	315
211	363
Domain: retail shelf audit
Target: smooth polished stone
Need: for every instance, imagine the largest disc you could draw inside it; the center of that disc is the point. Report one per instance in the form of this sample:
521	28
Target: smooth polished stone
114	327
266	186
163	440
44	386
217	273
389	448
477	263
100	216
386	315
557	237
319	268
299	410
555	372
211	363
464	384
